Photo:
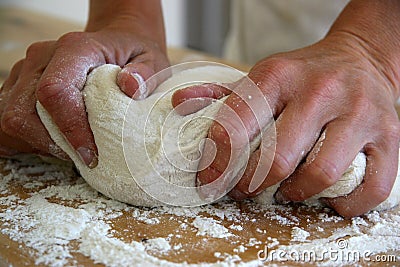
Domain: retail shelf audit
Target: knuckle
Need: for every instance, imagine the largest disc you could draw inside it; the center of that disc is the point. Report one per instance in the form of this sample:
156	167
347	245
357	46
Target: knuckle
72	38
274	68
361	106
325	170
391	130
34	50
12	124
346	212
283	165
380	193
218	133
49	92
17	66
230	132
326	87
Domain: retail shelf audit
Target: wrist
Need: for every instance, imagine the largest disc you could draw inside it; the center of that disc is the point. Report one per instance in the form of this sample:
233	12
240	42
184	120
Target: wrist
138	17
373	29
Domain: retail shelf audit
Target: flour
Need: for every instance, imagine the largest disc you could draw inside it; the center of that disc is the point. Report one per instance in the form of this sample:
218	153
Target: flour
161	148
209	227
59	216
64	216
299	234
49	228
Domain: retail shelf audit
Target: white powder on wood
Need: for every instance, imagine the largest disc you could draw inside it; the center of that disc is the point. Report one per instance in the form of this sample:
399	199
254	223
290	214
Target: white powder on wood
210	227
58	216
299	234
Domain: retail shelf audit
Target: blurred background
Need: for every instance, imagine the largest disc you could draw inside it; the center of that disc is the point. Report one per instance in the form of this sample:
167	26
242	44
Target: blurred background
23	22
199	33
259	27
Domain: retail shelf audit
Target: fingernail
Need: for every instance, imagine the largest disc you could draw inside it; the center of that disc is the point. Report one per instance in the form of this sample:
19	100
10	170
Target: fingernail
142	88
280	198
88	156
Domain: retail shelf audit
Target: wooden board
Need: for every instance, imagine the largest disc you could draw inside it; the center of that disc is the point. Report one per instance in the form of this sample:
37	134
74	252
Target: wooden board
18	28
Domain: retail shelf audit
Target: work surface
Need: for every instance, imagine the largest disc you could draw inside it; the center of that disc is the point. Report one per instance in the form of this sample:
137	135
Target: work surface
50	216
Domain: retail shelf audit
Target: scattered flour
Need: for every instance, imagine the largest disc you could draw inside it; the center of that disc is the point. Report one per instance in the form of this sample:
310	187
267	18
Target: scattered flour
160	244
299	234
62	215
210	227
59	215
50	228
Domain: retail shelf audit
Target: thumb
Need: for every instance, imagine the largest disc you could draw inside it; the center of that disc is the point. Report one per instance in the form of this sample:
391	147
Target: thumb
134	78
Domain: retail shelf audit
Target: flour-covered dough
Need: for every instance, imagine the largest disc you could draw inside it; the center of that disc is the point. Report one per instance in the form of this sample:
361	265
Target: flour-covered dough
151	146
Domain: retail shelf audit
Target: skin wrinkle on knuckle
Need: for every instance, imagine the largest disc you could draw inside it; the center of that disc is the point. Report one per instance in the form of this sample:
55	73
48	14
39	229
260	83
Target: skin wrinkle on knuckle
49	91
380	193
274	77
12	123
325	170
326	89
231	130
267	73
71	126
283	166
361	104
345	210
391	130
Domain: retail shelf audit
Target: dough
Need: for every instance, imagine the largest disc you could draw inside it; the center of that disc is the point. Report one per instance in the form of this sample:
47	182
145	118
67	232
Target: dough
149	158
146	132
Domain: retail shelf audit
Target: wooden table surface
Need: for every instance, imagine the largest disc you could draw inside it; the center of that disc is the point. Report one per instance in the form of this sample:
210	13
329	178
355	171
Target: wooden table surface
19	28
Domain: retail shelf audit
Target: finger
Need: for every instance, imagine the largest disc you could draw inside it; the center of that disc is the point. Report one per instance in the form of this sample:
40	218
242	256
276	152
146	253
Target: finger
9	83
275	82
133	79
378	181
12	78
241	190
19	119
192	99
294	139
325	164
235	124
59	93
7	152
11	145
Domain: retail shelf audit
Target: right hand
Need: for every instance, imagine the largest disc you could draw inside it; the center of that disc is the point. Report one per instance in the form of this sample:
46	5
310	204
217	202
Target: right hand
336	91
55	72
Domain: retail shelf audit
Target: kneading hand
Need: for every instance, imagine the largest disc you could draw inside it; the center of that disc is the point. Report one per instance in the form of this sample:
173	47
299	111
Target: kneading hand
346	86
127	33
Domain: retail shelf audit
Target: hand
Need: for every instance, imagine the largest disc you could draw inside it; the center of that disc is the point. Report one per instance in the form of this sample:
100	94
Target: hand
333	86
55	72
